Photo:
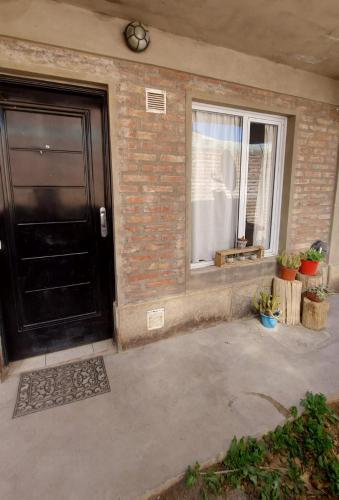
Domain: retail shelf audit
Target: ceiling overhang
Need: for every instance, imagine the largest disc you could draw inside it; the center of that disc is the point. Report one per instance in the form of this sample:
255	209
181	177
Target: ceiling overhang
303	34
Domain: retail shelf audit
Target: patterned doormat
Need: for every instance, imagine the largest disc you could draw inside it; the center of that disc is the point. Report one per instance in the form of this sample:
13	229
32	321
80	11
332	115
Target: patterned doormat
42	389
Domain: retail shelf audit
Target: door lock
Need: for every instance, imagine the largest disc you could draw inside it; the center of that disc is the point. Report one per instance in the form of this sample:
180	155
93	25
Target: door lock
103	222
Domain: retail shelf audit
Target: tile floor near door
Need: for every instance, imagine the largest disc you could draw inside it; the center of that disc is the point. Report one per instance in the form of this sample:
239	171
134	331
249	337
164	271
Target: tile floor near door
171	403
45	360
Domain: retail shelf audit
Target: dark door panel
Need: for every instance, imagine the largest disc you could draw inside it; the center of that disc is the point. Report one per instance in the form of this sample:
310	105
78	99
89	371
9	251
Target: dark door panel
38	129
57	265
39	273
41	240
53	204
46	168
56	304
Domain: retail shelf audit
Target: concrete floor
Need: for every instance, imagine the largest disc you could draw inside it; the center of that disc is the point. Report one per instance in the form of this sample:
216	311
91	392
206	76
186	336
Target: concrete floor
172	402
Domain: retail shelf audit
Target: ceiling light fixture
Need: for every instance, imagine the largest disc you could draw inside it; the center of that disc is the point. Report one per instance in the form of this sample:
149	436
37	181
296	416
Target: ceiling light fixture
137	36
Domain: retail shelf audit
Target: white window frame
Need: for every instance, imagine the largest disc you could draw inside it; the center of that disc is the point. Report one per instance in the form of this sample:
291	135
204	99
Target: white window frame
249	117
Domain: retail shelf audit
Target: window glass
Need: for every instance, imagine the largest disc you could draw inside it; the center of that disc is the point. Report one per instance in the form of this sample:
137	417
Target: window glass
216	158
260	183
237	167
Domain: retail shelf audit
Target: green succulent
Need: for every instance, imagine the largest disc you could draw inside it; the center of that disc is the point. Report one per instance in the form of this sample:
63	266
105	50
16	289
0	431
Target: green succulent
312	254
321	291
291	261
267	304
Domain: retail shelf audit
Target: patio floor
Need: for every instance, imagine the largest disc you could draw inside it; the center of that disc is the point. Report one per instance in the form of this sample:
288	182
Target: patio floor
171	403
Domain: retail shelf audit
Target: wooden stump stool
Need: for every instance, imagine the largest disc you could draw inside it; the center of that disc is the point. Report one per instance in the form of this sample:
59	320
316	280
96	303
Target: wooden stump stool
309	281
289	293
315	314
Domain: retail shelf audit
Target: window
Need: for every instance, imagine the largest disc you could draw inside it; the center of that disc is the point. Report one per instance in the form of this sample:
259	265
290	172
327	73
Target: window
237	175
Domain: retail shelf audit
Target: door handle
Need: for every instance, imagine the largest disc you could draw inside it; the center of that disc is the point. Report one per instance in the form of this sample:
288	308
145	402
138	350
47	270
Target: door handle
103	222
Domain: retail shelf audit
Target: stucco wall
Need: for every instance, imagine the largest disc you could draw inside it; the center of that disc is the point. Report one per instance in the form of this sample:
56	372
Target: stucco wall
63	25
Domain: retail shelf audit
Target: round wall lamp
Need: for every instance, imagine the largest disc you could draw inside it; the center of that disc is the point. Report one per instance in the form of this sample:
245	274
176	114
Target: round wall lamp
137	36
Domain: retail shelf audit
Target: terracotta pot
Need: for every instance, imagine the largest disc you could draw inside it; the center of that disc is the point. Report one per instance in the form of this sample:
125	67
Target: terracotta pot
285	273
309	267
313	296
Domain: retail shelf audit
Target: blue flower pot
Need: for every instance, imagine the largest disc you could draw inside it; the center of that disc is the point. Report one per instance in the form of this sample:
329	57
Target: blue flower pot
268	321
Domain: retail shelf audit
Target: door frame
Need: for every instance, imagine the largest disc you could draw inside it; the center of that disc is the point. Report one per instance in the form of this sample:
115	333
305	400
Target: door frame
74	88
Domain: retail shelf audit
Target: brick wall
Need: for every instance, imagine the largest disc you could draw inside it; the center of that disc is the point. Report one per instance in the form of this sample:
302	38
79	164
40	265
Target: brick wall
152	174
315	177
151	163
152	184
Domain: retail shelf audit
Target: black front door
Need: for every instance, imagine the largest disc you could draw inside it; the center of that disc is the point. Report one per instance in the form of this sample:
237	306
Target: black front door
56	269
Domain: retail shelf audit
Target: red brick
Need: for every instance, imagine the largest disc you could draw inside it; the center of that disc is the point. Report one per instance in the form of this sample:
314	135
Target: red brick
139	178
172	178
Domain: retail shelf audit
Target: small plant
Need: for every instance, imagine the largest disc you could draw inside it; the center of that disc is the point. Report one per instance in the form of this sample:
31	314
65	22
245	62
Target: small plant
313	255
318	293
310	261
242	242
192	475
315	407
267	304
291	261
242	459
289	265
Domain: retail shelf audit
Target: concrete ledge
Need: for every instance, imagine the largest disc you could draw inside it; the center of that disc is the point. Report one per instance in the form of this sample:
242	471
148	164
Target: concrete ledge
188	311
231	274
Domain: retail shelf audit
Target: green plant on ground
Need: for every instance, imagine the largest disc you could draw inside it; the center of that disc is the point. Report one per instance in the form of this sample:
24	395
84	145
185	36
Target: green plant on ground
320	291
312	254
298	457
192	474
291	261
267	304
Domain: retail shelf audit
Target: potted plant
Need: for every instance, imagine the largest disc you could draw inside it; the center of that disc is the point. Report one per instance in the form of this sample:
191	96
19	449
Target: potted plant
242	242
318	293
288	265
310	261
268	307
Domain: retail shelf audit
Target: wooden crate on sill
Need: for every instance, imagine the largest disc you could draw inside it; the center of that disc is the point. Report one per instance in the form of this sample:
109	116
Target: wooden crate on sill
221	255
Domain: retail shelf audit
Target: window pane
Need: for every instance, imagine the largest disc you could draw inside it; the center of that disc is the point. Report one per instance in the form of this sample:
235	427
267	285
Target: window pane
216	154
260	183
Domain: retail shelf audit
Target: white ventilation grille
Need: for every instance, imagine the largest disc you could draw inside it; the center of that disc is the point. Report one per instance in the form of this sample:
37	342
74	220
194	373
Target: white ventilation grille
155	101
155	319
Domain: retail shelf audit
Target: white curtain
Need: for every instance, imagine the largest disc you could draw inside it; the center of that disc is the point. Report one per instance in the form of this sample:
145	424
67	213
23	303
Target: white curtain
216	152
263	210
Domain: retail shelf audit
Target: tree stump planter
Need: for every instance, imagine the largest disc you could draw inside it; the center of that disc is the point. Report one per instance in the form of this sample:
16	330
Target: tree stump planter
315	314
309	281
289	293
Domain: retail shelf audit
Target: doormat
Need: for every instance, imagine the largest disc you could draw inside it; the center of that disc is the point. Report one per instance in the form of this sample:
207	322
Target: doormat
42	389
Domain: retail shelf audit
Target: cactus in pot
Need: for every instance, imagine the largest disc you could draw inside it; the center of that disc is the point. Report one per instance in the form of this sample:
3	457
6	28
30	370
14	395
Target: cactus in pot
288	265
